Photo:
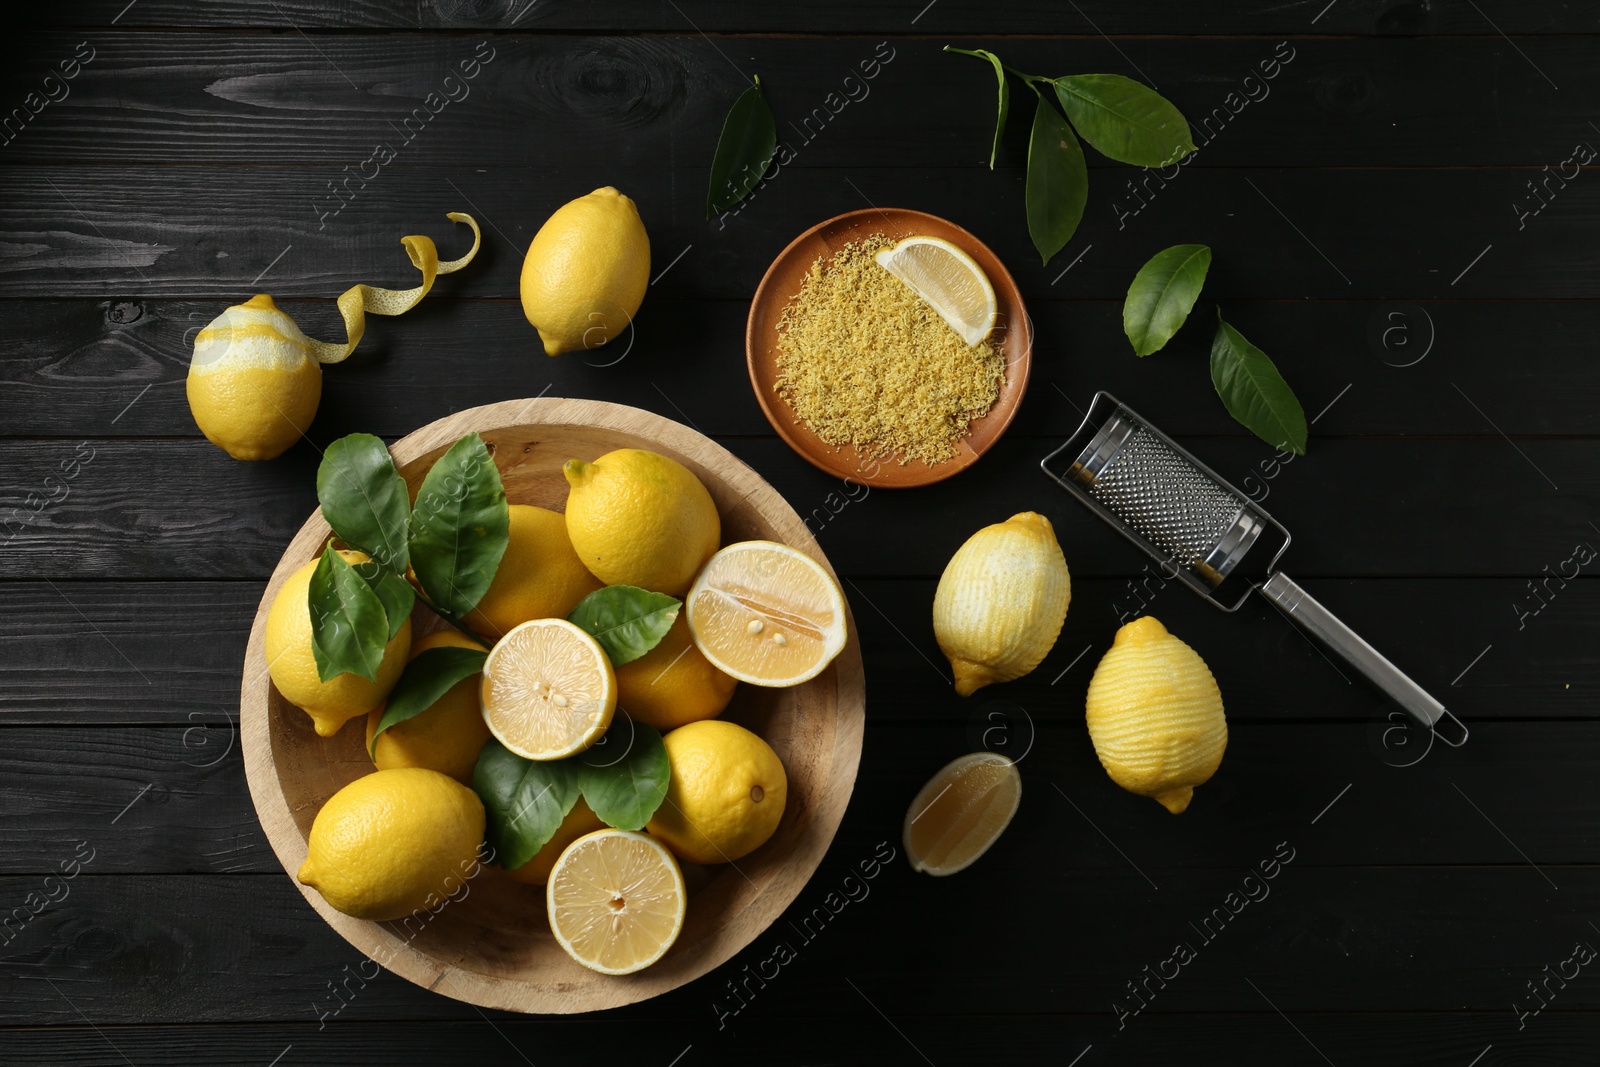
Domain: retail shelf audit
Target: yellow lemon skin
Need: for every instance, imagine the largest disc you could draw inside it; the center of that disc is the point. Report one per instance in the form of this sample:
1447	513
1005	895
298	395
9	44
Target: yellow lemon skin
294	668
446	737
1155	715
639	518
394	842
579	821
1001	601
540	576
586	272
726	795
673	684
253	382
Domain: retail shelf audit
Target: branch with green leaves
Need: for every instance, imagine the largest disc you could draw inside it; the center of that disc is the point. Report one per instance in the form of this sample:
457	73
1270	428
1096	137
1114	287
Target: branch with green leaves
1122	119
1159	301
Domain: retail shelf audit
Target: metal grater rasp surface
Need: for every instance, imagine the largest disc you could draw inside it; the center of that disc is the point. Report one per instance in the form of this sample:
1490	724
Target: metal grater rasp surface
1164	498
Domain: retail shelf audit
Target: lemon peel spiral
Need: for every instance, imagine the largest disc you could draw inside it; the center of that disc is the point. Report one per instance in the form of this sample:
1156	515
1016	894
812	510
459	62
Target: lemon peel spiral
255	379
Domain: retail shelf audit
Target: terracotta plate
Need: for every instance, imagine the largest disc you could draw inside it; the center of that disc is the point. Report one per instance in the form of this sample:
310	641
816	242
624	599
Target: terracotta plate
1013	332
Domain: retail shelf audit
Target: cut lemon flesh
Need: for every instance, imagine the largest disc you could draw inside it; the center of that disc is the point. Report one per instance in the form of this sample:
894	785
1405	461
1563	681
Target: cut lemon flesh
548	690
767	614
616	900
961	812
949	280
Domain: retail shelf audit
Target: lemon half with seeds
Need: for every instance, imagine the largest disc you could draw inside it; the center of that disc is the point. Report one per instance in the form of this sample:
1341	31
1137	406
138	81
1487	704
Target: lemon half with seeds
548	690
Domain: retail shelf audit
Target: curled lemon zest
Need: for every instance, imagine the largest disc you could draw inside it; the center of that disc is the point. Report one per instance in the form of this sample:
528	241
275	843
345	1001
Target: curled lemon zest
356	301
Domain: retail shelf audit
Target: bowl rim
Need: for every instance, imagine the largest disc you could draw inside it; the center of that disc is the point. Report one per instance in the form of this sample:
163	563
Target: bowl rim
378	941
915	473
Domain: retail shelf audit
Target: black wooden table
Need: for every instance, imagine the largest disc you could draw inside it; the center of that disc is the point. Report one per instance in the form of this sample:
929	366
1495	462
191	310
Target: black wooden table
1396	219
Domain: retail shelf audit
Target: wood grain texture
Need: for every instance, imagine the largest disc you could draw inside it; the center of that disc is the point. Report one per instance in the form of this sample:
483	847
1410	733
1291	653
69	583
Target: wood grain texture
494	951
147	231
106	653
163	508
171	800
216	99
1092	17
1444	1039
67	364
245	948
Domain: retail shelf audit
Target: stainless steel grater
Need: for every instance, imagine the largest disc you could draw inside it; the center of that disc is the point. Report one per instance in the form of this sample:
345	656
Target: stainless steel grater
1200	529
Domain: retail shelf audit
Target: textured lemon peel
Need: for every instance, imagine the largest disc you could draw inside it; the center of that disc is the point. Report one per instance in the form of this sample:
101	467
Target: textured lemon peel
356	301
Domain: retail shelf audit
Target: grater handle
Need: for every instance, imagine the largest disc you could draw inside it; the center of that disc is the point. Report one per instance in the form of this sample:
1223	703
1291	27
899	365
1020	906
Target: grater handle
1317	620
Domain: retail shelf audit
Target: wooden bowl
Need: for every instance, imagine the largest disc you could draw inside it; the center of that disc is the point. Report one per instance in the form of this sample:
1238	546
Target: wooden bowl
1013	329
493	946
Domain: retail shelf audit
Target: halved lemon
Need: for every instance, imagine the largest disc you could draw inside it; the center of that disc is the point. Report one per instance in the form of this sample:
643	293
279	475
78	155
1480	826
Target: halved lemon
616	900
767	614
949	280
961	812
548	690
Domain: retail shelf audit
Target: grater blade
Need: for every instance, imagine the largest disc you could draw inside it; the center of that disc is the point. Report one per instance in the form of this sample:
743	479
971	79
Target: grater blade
1163	499
1184	515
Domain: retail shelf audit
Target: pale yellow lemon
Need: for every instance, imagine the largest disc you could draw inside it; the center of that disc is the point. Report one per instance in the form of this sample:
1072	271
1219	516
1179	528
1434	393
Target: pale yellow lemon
448	735
616	901
539	577
293	666
726	795
254	380
1001	601
673	683
586	272
394	842
640	518
1155	715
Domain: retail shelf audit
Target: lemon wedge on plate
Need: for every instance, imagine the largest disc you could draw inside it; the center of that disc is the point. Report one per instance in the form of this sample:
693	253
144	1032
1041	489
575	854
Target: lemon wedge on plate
616	900
949	280
961	812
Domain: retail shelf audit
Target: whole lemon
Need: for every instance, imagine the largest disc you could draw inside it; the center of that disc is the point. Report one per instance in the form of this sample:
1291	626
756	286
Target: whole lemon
445	737
579	821
254	381
539	577
293	666
1155	715
673	684
1001	601
394	842
726	795
640	518
586	272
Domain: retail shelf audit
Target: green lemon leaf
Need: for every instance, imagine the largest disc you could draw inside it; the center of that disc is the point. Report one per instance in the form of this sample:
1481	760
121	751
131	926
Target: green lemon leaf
626	620
1004	91
349	627
1125	120
524	801
1254	392
1058	181
744	151
429	676
459	527
624	775
1162	295
393	591
364	499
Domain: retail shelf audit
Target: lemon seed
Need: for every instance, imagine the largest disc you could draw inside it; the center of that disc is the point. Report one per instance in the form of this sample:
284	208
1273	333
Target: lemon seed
755	627
779	640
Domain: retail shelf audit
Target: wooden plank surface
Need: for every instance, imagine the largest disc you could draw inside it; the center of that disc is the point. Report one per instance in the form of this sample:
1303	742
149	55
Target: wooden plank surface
1375	231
